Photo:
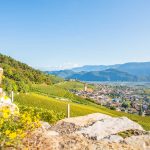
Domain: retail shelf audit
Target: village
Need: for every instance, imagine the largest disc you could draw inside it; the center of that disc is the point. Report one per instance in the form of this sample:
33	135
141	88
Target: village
117	97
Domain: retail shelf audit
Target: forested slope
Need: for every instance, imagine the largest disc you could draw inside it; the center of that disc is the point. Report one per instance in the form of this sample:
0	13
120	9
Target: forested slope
19	76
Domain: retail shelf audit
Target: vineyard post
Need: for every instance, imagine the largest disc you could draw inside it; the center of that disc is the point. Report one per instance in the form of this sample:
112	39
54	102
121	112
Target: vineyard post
68	110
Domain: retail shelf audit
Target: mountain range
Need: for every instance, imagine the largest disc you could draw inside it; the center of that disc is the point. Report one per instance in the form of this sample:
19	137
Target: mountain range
133	71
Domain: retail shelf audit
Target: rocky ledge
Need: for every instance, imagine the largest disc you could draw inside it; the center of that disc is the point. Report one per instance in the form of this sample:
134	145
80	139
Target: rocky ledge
92	132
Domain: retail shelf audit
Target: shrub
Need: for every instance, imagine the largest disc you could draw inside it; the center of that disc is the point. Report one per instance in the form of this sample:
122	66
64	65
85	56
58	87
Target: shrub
13	128
45	115
112	107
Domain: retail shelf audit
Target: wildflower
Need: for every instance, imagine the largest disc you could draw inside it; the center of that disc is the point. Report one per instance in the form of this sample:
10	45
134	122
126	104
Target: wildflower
8	143
5	115
22	135
7	132
12	135
1	121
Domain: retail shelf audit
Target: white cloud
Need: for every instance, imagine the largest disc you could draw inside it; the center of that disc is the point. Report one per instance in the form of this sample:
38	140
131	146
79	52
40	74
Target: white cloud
67	65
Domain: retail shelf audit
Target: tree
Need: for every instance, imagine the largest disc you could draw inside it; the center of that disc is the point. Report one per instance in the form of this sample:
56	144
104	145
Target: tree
141	110
112	107
125	104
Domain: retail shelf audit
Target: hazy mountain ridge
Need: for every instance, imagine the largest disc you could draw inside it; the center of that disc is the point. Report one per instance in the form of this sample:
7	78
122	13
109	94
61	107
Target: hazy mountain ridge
133	71
61	73
106	75
89	68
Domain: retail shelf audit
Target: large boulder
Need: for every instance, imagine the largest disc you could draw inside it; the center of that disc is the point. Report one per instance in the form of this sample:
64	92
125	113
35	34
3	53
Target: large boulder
91	132
45	125
46	141
70	125
85	120
113	138
141	142
109	126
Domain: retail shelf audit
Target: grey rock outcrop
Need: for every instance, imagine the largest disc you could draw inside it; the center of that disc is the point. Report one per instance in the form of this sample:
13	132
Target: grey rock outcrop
70	125
113	138
109	126
45	125
91	132
142	142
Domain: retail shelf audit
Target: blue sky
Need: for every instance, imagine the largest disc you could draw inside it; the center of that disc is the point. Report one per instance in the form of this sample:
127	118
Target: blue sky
66	33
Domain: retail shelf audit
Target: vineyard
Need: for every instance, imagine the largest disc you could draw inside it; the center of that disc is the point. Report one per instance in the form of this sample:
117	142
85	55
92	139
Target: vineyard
58	92
39	101
74	85
44	102
53	91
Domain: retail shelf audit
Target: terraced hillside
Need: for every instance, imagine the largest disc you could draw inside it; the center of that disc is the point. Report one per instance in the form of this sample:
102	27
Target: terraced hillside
59	92
74	85
35	100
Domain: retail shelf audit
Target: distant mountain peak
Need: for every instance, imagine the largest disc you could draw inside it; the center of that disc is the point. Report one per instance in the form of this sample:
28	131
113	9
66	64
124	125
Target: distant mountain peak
131	71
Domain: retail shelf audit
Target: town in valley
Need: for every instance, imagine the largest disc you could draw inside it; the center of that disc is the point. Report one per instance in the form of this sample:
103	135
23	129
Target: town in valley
129	98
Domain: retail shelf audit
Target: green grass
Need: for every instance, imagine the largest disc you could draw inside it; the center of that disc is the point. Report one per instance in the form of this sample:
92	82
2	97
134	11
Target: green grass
39	101
126	134
35	100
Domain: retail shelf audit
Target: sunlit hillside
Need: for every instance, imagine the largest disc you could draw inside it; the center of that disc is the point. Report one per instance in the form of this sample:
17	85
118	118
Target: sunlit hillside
34	100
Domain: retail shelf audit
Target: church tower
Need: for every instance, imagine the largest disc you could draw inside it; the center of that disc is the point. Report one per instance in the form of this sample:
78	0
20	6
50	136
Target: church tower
85	87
